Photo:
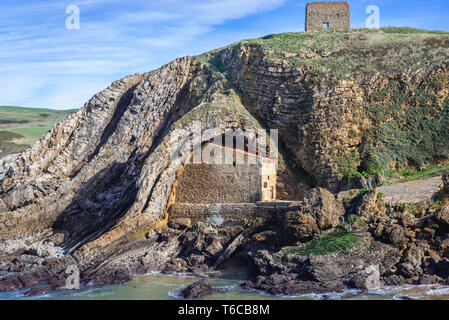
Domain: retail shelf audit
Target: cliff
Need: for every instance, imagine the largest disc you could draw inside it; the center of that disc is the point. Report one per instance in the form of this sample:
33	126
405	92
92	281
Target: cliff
348	104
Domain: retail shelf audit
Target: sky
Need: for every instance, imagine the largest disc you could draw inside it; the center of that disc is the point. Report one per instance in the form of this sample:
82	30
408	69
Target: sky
45	64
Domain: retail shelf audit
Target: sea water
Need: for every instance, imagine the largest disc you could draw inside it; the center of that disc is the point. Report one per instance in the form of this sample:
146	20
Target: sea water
163	287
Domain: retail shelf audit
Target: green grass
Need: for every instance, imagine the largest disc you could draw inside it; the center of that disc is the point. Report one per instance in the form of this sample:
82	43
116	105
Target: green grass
343	53
6	144
409	132
407	30
21	127
33	114
412	137
31	134
348	165
337	241
411	174
6	136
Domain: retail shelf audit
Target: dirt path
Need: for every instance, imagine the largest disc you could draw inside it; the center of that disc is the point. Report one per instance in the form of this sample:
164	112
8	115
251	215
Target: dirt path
412	192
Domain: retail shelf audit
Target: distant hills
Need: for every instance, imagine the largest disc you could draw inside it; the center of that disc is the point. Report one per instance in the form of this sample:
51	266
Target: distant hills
20	127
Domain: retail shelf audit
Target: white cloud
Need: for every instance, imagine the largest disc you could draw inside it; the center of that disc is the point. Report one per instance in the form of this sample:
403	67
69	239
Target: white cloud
18	88
216	12
44	64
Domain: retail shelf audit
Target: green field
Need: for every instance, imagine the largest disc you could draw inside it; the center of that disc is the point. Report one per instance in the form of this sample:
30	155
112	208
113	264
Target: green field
21	127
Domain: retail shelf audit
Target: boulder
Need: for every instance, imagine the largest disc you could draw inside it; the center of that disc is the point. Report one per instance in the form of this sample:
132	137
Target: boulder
318	211
414	255
297	226
339	268
370	207
408	270
180	223
360	281
323	206
199	289
442	217
176	265
289	287
427	279
412	259
408	220
394	234
393	280
263	259
286	271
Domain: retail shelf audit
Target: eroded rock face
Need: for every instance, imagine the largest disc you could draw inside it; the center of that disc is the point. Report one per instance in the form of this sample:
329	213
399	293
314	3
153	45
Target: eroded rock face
371	208
102	178
324	123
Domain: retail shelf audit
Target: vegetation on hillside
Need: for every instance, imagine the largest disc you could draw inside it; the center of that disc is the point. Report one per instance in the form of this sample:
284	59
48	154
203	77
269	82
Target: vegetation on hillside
408	138
21	127
343	54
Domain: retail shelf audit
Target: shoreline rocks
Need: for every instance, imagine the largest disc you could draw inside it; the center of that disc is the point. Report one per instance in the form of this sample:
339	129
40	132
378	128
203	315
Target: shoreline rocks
403	248
199	289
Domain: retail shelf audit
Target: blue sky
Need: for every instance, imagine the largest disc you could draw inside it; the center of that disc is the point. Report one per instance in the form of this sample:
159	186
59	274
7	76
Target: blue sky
44	64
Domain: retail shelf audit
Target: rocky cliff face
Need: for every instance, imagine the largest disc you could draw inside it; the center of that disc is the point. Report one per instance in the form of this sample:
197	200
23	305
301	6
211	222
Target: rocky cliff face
105	174
346	104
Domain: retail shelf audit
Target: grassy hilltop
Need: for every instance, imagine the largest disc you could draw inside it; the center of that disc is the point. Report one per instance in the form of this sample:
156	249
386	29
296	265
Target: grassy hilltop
21	127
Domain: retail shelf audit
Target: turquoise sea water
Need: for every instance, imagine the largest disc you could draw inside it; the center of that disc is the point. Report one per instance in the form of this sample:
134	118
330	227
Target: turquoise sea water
163	287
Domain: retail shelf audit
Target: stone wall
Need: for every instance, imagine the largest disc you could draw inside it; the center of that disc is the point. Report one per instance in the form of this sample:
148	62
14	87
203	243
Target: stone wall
334	14
210	183
223	214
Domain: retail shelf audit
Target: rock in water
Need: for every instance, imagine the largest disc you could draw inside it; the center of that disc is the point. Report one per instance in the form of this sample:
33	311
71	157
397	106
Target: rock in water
199	289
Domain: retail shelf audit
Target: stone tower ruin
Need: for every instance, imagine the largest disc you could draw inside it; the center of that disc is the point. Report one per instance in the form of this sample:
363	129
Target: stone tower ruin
324	15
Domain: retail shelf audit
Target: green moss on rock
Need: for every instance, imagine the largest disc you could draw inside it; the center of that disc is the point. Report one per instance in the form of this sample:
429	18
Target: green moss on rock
337	241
